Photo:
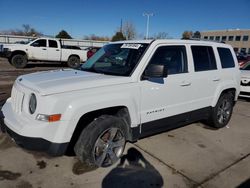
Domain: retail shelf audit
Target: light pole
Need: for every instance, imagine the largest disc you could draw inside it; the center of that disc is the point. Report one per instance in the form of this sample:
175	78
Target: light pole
148	15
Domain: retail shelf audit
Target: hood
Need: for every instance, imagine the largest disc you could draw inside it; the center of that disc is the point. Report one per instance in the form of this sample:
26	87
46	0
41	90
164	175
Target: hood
245	74
12	45
66	80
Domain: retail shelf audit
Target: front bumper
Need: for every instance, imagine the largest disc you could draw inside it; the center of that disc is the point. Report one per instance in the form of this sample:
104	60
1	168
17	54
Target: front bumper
31	143
245	90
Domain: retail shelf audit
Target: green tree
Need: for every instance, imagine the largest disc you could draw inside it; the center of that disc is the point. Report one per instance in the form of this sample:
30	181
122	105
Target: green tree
63	35
118	36
197	35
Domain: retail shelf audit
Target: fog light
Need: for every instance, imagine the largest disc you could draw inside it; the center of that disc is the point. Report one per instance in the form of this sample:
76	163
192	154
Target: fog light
48	118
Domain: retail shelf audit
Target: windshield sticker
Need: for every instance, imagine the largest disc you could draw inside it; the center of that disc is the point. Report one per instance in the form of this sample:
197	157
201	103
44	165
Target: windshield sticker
131	46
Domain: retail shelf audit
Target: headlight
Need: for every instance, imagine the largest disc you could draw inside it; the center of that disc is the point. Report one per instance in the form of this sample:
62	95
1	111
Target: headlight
32	103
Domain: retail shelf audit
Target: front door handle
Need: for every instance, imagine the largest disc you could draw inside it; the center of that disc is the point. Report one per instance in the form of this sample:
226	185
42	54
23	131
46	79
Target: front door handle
44	49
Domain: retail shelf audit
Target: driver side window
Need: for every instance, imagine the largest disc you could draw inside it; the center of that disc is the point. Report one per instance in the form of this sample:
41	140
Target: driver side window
174	57
39	43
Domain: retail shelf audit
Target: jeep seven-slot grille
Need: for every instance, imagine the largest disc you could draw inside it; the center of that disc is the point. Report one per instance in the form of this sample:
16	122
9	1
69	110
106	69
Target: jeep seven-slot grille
17	100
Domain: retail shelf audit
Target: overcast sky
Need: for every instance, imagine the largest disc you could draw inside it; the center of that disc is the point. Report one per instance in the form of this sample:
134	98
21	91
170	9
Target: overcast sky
103	17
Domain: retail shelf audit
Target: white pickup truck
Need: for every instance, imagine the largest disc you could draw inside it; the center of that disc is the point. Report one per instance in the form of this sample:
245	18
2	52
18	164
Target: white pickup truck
42	49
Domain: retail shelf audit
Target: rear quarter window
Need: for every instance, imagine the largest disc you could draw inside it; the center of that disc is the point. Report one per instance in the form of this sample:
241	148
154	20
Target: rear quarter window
226	58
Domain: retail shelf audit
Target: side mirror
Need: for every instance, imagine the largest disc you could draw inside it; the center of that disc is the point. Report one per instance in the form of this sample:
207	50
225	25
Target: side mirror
156	71
35	44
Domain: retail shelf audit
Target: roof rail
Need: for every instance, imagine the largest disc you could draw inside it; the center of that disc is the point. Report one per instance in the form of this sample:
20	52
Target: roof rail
207	40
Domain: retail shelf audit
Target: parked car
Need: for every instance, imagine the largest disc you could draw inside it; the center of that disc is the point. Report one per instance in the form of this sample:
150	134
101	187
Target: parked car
245	81
91	51
126	91
242	58
43	49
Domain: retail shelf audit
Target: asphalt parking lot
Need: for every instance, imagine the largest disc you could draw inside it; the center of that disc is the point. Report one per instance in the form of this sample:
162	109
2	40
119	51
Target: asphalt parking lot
192	156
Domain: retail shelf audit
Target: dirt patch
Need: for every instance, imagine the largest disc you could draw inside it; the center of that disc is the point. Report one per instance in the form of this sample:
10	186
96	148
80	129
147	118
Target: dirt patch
24	184
81	168
6	142
202	146
8	175
42	164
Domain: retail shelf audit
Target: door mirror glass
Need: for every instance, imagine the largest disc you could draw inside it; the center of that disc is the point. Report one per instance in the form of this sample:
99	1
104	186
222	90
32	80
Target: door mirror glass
156	71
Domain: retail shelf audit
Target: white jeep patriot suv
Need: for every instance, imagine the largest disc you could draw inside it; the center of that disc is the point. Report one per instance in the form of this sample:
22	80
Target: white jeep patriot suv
126	91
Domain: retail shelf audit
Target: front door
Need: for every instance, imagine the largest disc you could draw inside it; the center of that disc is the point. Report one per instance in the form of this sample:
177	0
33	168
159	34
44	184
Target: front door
166	97
38	50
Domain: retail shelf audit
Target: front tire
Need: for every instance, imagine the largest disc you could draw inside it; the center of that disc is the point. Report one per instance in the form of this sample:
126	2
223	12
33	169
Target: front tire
73	62
19	61
102	142
222	112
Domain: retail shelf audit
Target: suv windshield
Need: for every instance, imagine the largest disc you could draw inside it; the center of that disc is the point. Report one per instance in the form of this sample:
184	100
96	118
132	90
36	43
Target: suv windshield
116	59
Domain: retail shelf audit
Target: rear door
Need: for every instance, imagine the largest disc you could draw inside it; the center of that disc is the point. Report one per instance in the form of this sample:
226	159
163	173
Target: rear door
54	51
206	76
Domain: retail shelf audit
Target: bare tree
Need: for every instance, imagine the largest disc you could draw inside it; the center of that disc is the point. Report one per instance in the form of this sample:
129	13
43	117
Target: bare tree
129	30
187	35
26	30
161	35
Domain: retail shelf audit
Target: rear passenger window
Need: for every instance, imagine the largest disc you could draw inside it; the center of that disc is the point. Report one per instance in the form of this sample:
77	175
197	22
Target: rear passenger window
226	58
52	44
203	57
174	57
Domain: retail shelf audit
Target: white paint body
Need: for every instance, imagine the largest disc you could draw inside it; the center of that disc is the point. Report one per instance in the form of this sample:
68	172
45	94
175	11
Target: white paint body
74	93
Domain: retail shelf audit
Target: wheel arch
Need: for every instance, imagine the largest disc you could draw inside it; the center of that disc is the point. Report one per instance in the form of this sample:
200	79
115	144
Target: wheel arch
74	55
18	52
231	90
85	119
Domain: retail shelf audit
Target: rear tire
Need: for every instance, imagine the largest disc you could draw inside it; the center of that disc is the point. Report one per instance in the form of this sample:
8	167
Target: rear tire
73	62
102	142
19	61
222	112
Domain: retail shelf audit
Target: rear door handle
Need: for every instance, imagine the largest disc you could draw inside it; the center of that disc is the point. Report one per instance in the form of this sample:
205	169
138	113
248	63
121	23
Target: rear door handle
185	84
57	50
216	79
44	49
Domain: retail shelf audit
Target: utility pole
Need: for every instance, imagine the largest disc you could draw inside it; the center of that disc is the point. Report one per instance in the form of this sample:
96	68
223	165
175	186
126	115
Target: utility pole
148	15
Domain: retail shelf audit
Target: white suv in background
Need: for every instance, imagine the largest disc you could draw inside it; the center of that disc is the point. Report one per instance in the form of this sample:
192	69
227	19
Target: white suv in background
126	91
245	81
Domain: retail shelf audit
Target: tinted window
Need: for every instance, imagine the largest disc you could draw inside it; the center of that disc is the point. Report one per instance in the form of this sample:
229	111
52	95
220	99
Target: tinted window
203	57
245	38
231	38
224	38
39	43
174	57
226	58
52	44
211	38
217	38
237	38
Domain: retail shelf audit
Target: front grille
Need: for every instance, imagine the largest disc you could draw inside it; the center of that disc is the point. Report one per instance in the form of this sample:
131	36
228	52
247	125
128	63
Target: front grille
17	99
